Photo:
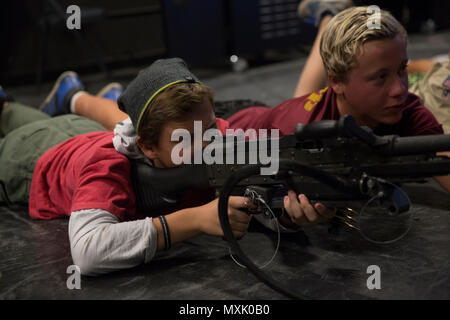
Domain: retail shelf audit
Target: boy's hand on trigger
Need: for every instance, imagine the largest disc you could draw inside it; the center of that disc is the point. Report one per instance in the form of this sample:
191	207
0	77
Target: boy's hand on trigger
302	213
239	220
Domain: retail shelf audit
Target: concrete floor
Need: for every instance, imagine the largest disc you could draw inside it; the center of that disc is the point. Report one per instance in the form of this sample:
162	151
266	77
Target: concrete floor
34	255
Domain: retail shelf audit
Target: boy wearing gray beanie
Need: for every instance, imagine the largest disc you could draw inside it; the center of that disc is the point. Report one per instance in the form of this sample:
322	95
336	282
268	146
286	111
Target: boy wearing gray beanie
79	170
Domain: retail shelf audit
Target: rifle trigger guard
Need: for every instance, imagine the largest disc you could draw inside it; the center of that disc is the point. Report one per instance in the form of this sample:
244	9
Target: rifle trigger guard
257	199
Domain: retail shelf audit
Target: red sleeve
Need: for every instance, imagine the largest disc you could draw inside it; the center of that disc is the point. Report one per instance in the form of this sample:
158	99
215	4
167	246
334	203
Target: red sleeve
222	125
106	184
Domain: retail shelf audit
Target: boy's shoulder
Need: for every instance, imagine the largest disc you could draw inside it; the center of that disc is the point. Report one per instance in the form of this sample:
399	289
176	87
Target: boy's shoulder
82	150
97	147
93	142
309	108
416	120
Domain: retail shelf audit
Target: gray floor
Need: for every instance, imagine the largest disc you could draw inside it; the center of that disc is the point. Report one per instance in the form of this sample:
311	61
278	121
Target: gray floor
34	255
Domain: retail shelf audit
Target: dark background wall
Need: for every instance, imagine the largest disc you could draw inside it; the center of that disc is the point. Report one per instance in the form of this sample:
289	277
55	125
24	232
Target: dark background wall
126	31
36	44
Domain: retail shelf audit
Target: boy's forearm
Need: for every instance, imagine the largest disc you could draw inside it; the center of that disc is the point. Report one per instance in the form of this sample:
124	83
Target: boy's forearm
182	225
101	244
444	181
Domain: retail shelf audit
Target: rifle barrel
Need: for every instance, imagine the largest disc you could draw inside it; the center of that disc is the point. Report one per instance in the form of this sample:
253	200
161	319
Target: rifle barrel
420	144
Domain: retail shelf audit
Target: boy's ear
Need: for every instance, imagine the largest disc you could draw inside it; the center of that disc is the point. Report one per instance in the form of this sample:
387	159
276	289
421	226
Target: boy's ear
148	150
337	85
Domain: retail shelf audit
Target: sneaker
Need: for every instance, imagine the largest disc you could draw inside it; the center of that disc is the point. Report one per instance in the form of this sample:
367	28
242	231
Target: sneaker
4	97
58	100
2	93
312	11
111	91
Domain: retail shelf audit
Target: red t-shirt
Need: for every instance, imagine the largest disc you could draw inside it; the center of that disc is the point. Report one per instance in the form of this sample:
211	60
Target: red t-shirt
86	172
83	172
321	105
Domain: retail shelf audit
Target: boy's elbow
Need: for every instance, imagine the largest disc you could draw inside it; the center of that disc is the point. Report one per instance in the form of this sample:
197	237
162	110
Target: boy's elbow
88	264
87	267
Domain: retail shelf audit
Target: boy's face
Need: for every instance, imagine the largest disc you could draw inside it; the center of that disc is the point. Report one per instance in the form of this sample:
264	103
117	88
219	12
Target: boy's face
377	88
161	154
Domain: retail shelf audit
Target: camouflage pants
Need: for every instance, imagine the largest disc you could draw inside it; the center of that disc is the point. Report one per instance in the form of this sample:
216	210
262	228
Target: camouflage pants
26	134
434	91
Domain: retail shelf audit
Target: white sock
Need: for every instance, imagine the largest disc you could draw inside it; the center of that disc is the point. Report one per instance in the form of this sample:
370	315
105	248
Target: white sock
74	98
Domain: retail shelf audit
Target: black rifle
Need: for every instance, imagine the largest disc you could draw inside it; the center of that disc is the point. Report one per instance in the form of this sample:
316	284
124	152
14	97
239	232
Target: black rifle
337	163
350	165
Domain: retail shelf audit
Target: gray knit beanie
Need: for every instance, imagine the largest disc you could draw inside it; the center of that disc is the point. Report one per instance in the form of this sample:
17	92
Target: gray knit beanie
149	82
